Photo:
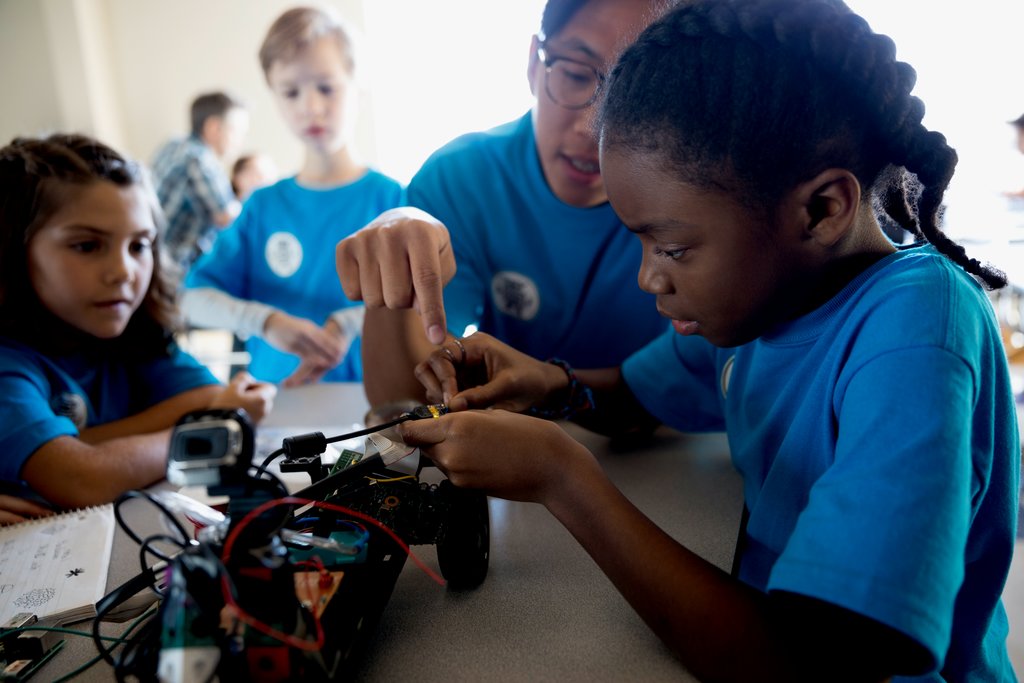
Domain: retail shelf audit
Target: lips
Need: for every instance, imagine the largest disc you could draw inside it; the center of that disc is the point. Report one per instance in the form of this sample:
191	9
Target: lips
683	327
315	131
686	327
113	303
583	170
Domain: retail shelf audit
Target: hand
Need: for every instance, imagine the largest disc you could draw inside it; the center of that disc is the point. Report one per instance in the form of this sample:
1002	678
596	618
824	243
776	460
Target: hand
402	259
488	373
313	344
256	398
312	369
14	510
504	454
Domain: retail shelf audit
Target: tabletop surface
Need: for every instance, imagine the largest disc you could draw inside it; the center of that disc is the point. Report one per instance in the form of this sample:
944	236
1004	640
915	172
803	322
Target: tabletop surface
545	610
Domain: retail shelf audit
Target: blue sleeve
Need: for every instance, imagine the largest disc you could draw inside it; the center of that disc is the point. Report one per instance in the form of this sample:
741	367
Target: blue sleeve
903	446
167	377
226	265
27	421
676	380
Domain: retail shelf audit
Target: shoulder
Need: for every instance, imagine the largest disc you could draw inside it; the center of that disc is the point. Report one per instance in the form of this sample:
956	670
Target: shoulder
479	147
18	359
922	298
380	182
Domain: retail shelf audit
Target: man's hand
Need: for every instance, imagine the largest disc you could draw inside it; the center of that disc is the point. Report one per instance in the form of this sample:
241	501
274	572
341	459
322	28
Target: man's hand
402	259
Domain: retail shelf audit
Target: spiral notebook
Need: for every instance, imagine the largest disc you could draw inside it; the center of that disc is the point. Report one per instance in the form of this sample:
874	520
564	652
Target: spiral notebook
56	567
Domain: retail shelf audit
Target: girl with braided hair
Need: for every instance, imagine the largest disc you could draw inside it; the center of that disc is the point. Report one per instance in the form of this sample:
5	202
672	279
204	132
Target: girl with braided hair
91	381
748	145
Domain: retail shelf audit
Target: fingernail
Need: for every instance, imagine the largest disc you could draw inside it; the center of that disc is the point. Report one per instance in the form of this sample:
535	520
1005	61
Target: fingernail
435	334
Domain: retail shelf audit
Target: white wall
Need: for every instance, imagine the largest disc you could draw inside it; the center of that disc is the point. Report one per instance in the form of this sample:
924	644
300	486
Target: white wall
165	53
30	102
126	71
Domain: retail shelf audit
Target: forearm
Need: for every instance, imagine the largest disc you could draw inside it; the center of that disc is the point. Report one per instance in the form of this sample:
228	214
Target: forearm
712	622
393	343
71	474
616	410
212	308
721	629
163	415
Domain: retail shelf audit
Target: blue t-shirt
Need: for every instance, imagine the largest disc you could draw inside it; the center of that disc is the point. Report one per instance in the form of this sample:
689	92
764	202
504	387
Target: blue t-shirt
547	278
879	448
44	397
280	251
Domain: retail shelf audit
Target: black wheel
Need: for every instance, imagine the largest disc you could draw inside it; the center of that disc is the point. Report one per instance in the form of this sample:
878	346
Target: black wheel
465	545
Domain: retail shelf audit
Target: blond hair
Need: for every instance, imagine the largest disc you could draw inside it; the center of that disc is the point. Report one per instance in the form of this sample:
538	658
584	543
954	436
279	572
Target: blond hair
300	27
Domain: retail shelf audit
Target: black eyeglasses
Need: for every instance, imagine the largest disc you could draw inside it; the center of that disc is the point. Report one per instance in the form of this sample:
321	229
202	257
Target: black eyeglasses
570	84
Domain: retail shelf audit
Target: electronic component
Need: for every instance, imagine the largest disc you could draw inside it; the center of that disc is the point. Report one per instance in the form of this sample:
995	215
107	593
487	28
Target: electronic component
23	652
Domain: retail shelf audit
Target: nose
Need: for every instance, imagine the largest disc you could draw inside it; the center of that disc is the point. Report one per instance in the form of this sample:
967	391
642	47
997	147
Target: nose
120	267
313	102
584	123
651	278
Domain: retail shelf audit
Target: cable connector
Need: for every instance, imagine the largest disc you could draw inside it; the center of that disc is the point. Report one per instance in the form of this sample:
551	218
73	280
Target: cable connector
430	411
304	445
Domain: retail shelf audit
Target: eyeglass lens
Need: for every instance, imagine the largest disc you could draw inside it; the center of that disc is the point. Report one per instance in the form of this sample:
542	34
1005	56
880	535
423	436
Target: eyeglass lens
570	84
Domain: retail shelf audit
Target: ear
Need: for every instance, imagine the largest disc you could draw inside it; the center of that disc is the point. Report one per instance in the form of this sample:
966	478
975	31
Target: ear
211	128
829	203
531	70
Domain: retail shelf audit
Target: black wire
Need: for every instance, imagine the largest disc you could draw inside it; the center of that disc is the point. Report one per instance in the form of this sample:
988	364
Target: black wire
405	417
145	547
163	508
269	459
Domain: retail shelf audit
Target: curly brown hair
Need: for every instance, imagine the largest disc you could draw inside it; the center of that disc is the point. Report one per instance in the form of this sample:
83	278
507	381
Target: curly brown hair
35	174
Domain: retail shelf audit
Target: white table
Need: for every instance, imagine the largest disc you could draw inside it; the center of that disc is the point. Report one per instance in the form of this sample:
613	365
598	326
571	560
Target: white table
545	611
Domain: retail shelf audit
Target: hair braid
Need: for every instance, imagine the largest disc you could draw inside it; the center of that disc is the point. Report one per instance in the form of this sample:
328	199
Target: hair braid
755	96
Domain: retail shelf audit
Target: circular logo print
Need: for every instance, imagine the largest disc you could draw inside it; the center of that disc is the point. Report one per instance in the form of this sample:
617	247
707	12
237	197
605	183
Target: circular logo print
71	406
515	294
283	253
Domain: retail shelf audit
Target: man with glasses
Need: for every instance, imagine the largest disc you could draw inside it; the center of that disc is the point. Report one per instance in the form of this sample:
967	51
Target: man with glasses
522	212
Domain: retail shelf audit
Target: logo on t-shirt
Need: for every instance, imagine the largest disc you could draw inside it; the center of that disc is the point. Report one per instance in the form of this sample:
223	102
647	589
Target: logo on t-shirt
515	294
71	406
283	254
727	375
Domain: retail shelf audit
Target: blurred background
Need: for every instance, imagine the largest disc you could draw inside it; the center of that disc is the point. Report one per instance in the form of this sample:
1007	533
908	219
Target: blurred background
126	71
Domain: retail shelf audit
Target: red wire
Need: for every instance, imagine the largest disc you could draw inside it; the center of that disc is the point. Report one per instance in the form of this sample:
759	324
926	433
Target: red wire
230	541
302	643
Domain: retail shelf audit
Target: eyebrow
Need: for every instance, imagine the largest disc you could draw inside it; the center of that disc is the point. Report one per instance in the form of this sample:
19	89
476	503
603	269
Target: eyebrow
576	45
78	227
646	228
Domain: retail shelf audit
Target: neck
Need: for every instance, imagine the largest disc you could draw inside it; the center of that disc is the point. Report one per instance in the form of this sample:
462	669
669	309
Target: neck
865	247
330	168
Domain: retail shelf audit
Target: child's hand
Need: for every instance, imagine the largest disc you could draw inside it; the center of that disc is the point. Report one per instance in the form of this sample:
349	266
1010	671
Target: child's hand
484	372
307	340
401	260
312	369
256	398
14	510
508	455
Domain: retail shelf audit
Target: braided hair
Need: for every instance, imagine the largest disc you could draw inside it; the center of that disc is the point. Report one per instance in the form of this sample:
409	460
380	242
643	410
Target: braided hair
755	96
36	176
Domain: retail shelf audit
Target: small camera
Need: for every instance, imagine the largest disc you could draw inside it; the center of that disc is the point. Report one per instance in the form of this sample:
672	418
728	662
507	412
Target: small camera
210	448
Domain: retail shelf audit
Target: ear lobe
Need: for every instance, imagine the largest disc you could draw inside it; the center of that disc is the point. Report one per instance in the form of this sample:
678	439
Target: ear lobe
831	200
